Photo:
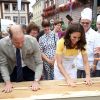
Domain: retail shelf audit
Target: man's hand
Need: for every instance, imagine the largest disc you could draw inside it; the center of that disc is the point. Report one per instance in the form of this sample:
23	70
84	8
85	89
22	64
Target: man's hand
35	86
97	50
8	87
93	68
51	62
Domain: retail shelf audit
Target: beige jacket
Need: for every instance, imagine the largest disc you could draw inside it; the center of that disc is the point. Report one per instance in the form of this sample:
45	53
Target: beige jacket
30	54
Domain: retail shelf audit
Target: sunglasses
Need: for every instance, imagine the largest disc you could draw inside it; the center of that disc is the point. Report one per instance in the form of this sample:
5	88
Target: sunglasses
85	23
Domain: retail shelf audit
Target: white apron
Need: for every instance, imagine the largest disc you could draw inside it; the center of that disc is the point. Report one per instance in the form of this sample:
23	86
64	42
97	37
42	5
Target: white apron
68	64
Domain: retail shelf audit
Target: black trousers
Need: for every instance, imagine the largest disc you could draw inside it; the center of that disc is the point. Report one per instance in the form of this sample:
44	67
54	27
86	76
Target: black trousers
97	73
28	74
81	73
1	80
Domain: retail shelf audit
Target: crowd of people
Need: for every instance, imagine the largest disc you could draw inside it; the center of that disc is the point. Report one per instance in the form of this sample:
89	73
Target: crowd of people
28	54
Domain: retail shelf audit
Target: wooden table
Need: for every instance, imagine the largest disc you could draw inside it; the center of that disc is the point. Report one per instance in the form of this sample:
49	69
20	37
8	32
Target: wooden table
52	89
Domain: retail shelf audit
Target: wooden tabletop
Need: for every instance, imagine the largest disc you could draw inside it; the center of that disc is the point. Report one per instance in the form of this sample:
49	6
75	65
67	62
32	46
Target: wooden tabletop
22	90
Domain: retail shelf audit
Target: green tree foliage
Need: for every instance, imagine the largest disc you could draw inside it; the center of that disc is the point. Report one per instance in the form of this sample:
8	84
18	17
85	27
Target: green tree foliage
93	25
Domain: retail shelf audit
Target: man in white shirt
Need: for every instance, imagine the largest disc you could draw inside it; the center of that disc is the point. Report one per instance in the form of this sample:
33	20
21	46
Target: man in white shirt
98	24
86	19
97	50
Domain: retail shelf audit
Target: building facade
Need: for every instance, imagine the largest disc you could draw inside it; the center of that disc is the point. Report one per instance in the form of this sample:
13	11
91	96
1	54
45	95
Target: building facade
58	9
37	11
8	10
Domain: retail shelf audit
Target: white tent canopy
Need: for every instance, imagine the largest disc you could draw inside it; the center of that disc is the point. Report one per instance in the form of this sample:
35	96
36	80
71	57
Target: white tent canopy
5	23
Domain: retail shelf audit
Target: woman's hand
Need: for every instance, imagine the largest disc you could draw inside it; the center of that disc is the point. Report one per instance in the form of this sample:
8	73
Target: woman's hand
71	82
88	80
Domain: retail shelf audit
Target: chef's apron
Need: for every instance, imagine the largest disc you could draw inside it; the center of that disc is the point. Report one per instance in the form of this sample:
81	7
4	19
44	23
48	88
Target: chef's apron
68	64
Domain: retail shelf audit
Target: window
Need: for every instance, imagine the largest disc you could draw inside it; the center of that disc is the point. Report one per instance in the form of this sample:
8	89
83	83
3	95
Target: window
37	0
40	4
6	6
61	2
98	2
57	16
47	3
15	19
30	15
14	7
7	17
23	20
52	2
23	7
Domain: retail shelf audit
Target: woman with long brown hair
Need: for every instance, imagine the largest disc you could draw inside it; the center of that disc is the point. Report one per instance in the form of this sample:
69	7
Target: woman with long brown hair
68	48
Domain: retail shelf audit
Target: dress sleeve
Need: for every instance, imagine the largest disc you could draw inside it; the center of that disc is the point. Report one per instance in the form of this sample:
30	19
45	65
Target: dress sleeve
60	46
84	51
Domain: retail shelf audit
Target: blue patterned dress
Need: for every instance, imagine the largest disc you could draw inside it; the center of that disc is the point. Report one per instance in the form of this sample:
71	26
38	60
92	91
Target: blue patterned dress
48	46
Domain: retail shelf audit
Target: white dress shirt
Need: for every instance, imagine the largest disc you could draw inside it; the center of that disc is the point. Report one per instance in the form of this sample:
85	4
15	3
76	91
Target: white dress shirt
97	44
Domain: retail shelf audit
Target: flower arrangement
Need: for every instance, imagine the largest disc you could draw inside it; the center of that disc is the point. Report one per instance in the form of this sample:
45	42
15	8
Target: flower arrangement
49	8
53	10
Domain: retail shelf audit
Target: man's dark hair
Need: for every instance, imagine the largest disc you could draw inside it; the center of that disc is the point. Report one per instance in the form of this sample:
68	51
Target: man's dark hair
45	23
58	22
